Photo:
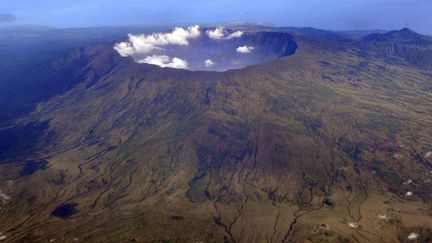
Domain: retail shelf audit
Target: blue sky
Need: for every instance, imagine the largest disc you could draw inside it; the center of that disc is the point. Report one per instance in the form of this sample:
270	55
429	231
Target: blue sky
326	14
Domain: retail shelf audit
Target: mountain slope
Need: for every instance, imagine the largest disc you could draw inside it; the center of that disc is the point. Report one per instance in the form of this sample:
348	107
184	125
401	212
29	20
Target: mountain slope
404	45
36	62
323	145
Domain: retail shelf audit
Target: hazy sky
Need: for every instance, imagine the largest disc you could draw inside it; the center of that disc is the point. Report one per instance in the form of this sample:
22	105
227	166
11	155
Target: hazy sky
326	14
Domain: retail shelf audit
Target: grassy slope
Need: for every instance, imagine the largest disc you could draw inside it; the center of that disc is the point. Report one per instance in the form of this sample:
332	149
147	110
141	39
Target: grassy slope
35	62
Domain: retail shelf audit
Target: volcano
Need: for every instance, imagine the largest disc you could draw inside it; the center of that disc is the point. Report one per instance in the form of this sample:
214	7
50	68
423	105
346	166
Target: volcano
308	136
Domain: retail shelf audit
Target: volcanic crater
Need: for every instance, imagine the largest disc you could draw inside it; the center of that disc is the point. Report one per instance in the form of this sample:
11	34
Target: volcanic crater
209	49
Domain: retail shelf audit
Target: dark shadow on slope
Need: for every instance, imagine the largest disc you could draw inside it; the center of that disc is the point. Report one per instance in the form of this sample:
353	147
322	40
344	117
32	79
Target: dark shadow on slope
65	211
19	140
30	167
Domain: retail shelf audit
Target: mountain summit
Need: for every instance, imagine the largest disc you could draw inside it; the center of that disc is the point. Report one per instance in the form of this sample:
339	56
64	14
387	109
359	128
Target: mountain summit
405	43
404	36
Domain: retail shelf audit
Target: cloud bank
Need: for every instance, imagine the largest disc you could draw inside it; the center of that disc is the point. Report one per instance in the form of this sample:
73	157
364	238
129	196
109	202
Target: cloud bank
141	44
7	17
144	44
244	49
221	34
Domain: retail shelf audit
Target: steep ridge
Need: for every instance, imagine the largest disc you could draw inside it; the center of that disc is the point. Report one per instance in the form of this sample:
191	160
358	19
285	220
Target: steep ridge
306	147
414	48
36	63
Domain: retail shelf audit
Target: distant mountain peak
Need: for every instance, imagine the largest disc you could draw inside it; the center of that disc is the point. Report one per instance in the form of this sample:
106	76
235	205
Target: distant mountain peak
407	30
405	35
407	44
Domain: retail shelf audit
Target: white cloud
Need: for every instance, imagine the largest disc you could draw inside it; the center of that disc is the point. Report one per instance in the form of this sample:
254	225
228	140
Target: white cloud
143	44
244	49
236	34
353	225
125	48
409	181
208	63
221	34
4	196
217	33
412	236
165	61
